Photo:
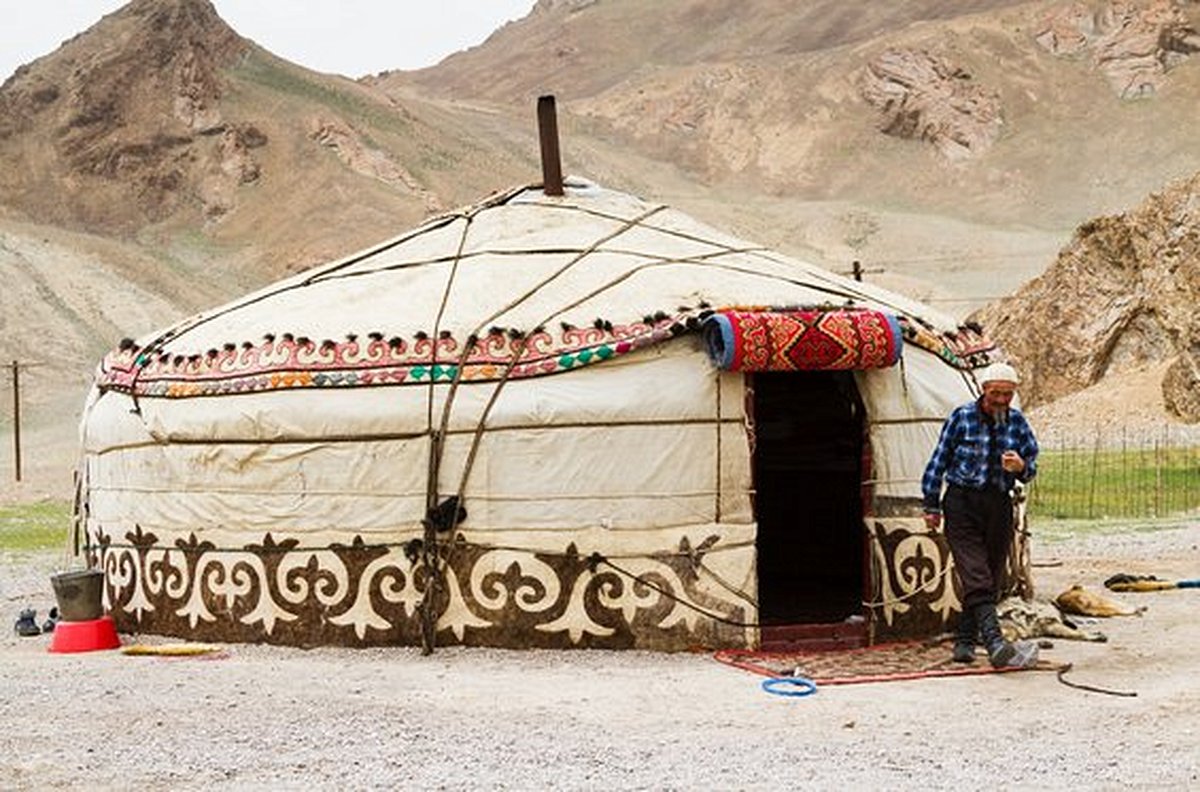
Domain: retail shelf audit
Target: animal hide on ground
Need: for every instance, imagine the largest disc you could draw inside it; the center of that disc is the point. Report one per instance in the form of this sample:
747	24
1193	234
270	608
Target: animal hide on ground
1079	600
1023	620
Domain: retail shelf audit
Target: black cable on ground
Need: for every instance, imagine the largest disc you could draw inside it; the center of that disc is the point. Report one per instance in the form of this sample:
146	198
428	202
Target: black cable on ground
1062	677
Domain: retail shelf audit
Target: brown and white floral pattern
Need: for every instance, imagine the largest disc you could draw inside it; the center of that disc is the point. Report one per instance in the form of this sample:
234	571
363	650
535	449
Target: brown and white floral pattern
277	591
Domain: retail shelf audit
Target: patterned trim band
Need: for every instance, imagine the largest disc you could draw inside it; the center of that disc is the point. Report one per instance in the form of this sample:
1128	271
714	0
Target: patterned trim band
288	362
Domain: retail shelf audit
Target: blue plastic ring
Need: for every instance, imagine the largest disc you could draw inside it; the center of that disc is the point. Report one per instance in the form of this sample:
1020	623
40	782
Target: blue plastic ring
803	686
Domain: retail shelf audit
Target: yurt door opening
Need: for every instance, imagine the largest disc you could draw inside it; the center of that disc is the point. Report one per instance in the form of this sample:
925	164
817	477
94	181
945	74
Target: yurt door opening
808	460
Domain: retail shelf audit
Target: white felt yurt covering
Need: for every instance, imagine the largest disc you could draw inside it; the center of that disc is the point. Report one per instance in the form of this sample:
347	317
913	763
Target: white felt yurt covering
268	470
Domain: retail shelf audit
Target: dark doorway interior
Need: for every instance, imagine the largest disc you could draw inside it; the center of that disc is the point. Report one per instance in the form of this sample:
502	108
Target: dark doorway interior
808	502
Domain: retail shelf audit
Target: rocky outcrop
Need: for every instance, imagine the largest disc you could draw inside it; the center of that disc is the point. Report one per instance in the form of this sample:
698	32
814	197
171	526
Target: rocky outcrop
1133	43
1068	31
1181	383
231	164
1121	295
361	157
922	96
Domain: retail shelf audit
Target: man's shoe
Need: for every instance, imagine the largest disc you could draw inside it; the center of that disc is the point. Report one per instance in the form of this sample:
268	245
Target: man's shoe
26	625
1022	654
1026	655
51	621
965	636
1001	654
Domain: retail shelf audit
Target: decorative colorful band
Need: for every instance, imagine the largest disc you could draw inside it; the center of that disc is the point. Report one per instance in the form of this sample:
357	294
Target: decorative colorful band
287	362
966	348
738	338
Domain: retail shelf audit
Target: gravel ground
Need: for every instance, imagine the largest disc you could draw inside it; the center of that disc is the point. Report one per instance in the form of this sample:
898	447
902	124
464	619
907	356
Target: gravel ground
257	717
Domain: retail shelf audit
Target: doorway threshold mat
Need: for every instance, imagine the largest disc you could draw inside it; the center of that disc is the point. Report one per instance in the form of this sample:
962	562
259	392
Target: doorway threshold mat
889	662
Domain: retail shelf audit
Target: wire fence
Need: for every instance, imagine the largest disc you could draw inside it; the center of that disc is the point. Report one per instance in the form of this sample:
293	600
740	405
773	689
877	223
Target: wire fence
1118	472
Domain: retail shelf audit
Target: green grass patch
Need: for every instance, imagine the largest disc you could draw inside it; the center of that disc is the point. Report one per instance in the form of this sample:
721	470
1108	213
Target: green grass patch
34	526
1058	530
1098	484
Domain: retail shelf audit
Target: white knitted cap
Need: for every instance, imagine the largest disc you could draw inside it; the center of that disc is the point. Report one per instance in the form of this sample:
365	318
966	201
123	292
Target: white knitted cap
997	372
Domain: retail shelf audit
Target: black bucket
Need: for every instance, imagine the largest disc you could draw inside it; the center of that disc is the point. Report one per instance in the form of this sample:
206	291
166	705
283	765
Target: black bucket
79	594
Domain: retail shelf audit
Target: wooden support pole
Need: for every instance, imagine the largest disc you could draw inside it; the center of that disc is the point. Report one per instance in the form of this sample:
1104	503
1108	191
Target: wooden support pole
552	180
430	557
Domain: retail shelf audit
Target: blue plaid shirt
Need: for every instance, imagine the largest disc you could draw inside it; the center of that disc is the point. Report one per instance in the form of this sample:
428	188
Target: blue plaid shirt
968	453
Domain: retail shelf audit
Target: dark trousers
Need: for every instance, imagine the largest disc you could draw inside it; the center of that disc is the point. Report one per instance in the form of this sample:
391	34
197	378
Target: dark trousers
979	528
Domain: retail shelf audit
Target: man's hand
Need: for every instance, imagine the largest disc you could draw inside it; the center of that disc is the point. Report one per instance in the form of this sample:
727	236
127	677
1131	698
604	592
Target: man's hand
933	520
1012	462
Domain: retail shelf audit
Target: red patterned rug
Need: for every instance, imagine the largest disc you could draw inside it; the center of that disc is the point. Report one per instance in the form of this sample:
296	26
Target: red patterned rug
803	339
880	663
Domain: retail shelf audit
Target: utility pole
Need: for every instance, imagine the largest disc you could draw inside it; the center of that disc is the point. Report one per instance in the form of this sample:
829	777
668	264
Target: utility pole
857	270
16	382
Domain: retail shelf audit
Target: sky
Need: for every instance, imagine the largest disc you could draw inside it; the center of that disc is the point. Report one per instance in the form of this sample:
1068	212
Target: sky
349	37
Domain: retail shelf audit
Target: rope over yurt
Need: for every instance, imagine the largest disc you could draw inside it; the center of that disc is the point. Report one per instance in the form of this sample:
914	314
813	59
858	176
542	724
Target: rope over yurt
504	428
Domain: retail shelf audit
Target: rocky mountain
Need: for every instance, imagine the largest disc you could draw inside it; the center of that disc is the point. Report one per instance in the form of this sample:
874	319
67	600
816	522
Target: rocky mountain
161	122
835	132
1121	297
988	110
126	122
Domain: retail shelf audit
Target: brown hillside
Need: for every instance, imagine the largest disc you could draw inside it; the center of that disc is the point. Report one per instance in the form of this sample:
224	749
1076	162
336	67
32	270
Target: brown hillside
161	119
832	100
582	48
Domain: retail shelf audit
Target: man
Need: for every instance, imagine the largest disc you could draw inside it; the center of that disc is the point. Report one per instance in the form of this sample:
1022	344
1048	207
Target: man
984	448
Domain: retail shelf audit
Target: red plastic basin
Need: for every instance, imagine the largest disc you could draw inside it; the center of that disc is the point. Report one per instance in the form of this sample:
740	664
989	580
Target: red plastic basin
85	636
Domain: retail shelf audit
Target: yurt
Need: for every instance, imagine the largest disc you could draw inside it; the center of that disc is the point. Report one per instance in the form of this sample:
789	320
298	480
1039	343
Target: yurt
577	420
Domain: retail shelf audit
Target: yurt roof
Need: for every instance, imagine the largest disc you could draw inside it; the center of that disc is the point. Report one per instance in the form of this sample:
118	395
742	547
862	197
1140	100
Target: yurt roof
515	264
